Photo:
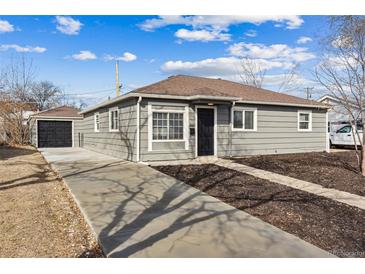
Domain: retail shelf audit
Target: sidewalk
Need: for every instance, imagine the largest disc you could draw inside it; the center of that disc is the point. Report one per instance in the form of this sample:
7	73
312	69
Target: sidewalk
337	195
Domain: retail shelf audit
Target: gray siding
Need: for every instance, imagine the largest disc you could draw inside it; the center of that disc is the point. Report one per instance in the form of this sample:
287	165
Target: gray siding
276	133
118	144
165	150
33	132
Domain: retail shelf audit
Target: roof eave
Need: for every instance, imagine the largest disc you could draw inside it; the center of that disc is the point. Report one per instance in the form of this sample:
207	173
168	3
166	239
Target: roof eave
158	96
55	117
191	98
283	104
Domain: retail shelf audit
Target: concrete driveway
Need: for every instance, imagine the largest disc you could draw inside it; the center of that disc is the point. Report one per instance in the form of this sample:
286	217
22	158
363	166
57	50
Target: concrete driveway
137	211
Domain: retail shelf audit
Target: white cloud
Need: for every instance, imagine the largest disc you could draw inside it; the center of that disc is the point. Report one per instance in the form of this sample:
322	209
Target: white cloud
84	55
304	40
18	48
229	68
68	25
220	22
251	33
275	51
277	79
202	35
126	57
5	26
224	67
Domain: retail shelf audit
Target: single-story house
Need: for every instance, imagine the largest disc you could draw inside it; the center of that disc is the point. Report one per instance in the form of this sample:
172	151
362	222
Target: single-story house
183	117
54	127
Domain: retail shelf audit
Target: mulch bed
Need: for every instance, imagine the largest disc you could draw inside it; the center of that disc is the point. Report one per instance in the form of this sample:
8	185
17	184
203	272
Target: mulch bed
38	216
330	225
335	170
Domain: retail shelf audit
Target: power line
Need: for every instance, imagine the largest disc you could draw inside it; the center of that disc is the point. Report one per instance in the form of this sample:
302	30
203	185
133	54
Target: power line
308	89
90	92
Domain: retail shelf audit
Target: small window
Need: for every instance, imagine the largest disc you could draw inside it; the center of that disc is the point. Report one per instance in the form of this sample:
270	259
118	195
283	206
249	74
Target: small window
167	126
249	120
97	122
244	119
238	120
113	120
304	121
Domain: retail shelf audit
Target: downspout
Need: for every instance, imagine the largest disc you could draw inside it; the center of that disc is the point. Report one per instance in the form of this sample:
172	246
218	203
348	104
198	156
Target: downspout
230	129
138	129
327	134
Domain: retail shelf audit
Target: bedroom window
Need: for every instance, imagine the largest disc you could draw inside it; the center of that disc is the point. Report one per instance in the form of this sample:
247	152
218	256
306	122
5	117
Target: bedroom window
304	121
113	119
167	126
97	122
245	119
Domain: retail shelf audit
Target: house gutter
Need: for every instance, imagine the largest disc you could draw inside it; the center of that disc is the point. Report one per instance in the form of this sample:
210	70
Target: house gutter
157	96
138	129
230	130
283	104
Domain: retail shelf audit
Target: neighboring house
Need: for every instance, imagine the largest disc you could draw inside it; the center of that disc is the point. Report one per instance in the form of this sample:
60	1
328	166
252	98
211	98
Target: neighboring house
183	117
337	114
23	109
54	127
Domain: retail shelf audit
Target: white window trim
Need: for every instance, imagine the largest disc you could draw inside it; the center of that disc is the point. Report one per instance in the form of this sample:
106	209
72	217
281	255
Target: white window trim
110	119
243	117
150	122
95	127
310	120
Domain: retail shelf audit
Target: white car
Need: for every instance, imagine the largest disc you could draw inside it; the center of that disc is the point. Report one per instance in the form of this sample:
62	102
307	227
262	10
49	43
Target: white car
343	136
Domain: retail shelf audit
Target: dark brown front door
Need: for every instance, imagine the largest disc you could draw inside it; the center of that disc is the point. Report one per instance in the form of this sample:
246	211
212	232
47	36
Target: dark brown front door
205	131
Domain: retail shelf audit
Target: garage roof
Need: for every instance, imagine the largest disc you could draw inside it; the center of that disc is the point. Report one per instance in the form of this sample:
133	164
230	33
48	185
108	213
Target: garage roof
59	112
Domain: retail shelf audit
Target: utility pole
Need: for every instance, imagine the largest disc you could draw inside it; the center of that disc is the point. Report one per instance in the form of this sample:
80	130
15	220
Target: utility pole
117	85
309	95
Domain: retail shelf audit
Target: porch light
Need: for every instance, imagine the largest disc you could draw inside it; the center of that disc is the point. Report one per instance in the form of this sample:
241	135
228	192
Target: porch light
210	104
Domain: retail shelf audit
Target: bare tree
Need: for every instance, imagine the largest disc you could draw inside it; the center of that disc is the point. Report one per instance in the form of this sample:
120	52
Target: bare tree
17	79
19	94
342	71
46	95
252	73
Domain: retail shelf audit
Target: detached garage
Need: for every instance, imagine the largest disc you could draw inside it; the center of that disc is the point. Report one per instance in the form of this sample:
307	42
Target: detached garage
54	127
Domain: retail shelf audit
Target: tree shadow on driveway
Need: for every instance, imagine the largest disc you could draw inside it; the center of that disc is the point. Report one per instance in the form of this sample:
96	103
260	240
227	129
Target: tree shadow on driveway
134	208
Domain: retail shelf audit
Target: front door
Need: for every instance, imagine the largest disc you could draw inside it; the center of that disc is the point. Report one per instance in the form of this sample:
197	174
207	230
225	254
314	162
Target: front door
205	131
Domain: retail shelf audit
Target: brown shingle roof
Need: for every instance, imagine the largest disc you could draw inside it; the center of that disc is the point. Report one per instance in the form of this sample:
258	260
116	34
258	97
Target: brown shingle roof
58	112
182	85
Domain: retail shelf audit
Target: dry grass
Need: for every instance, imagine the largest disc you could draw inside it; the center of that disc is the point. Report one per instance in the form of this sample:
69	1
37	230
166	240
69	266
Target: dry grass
38	216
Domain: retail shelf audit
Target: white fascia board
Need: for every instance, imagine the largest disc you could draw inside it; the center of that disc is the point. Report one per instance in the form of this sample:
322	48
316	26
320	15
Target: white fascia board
282	104
157	96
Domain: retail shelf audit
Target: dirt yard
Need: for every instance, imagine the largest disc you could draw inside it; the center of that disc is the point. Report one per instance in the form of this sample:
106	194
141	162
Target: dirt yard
330	225
38	216
336	170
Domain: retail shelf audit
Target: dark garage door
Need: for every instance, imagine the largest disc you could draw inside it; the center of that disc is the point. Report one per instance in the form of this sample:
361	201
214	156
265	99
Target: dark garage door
54	134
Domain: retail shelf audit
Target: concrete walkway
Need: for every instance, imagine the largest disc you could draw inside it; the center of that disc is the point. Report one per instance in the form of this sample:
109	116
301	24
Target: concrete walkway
137	211
334	194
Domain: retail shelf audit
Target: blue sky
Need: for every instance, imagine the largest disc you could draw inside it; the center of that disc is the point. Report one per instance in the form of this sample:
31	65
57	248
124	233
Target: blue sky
78	53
